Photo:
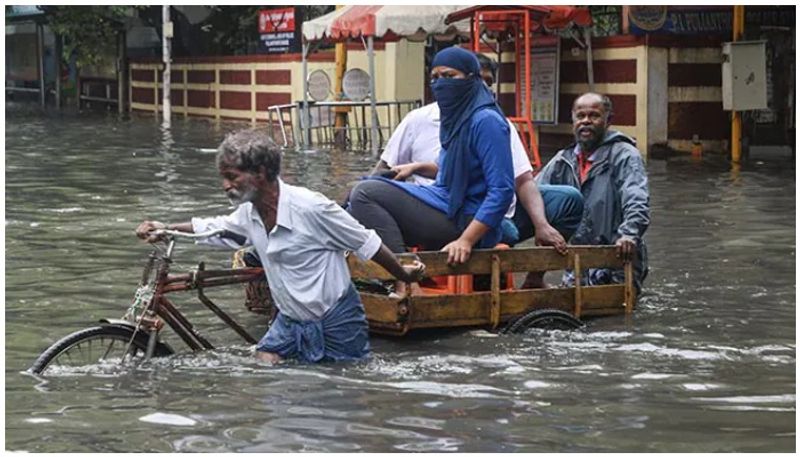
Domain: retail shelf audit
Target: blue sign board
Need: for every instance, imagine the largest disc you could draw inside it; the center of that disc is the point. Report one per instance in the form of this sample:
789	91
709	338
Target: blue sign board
702	21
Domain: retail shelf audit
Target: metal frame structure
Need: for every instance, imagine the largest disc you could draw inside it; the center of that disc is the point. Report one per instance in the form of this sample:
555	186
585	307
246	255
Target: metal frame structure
524	118
369	45
364	24
524	19
394	110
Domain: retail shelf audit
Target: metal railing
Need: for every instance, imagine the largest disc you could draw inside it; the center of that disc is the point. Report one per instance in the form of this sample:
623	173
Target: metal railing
322	118
24	86
23	89
106	94
276	118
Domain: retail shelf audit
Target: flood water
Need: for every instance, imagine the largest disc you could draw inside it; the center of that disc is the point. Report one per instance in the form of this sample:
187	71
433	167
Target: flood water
707	363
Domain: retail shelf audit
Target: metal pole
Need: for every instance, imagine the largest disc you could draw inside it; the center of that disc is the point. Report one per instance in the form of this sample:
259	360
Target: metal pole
498	74
167	57
587	33
626	24
306	124
341	111
476	32
57	57
78	86
122	72
519	68
372	95
528	110
736	121
40	52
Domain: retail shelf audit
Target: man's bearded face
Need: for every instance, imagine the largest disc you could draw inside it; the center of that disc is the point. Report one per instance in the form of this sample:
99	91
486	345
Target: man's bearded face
589	122
238	185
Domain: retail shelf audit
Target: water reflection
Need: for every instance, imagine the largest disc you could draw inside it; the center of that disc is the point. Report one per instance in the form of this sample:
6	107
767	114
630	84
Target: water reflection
707	362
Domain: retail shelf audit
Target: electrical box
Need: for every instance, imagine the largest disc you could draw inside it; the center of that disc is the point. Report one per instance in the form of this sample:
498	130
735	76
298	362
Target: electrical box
744	75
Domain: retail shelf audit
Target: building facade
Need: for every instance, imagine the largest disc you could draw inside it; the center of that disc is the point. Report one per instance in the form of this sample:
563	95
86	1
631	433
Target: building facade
660	65
662	68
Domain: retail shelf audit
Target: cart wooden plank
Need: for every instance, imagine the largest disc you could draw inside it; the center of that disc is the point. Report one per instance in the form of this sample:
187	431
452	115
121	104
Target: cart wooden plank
480	262
493	307
426	311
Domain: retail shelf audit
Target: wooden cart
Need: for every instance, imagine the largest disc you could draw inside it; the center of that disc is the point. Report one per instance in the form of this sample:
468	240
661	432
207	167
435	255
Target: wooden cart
456	303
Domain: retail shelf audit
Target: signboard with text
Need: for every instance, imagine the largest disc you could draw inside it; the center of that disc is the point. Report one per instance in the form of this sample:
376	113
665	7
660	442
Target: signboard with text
355	84
278	28
319	85
702	21
544	57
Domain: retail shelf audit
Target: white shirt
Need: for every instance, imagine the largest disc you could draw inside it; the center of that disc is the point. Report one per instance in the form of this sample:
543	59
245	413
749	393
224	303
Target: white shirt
303	254
416	139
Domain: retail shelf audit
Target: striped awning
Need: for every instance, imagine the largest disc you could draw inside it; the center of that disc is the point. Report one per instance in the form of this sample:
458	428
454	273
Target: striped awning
415	23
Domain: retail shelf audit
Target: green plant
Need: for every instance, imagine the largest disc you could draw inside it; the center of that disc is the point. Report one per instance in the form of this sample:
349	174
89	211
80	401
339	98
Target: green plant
90	32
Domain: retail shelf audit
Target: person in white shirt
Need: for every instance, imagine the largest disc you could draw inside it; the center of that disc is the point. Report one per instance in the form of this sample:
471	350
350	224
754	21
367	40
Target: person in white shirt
412	154
413	149
301	238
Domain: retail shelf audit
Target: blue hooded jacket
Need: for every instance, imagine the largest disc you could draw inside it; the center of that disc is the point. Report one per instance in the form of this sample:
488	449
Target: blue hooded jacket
476	176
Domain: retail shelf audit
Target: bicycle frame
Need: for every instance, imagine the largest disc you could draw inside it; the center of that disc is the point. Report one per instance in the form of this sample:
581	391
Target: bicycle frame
159	309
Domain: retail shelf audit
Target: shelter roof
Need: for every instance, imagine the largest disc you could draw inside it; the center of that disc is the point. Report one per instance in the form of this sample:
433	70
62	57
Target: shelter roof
550	16
389	22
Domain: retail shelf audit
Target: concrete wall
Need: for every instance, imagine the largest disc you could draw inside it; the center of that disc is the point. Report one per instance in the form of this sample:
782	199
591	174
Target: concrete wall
665	90
243	87
657	95
621	72
406	61
695	99
222	88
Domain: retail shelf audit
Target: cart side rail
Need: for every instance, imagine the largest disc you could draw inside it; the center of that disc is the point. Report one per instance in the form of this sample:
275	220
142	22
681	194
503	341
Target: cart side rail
511	260
399	315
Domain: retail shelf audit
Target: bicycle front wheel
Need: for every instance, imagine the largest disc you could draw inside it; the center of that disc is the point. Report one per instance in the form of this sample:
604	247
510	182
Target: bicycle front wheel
97	344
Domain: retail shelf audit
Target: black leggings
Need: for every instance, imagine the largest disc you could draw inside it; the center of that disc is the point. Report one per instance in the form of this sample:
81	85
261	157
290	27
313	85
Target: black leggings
400	219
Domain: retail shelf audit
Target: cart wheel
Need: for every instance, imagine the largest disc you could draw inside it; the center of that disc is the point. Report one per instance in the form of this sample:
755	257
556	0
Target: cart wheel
94	344
548	319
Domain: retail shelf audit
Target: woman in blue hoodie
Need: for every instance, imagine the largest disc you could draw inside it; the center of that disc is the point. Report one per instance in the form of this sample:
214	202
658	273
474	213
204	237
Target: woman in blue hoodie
475	184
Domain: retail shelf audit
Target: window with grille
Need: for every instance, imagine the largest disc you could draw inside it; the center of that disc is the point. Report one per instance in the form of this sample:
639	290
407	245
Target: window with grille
607	20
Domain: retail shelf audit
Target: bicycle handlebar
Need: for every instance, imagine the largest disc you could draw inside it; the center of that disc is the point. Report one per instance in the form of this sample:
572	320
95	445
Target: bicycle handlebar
222	233
179	234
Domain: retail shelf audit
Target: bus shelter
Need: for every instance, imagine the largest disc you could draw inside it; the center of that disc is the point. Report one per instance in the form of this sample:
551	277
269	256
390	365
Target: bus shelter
388	23
518	24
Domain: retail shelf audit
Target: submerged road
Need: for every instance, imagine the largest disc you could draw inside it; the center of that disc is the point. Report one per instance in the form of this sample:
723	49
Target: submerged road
706	364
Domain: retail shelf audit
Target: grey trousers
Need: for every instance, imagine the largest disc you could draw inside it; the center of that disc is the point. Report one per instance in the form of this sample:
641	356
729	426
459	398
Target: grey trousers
401	220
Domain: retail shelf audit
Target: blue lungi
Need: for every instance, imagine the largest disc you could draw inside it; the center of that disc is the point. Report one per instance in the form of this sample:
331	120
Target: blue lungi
341	334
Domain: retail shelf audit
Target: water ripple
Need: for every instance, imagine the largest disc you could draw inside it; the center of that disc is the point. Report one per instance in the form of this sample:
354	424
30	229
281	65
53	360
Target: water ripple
707	363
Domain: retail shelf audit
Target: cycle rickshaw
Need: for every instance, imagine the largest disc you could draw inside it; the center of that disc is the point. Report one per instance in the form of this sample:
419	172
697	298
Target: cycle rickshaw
478	293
